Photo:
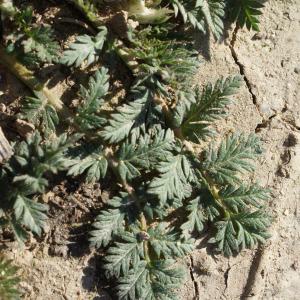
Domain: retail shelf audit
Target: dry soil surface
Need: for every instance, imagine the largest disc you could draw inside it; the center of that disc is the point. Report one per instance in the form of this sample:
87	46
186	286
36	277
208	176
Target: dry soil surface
269	104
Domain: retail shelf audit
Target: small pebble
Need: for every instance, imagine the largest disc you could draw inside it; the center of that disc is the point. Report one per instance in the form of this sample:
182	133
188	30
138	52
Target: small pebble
2	107
297	70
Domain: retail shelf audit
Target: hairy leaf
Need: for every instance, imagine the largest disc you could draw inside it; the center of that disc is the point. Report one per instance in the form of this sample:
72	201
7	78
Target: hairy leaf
123	255
145	154
213	12
110	221
85	49
209	106
94	164
240	231
92	100
132	286
234	155
195	218
175	175
32	214
241	197
246	12
39	112
130	118
40	44
166	242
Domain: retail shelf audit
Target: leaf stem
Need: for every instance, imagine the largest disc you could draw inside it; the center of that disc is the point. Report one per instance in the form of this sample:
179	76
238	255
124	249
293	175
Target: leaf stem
108	153
27	77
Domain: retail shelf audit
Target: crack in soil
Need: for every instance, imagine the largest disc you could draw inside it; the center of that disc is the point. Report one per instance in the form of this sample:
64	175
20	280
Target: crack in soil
253	273
226	275
196	287
242	68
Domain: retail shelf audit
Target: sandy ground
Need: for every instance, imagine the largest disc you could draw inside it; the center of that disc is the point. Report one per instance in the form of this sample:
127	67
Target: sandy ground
269	104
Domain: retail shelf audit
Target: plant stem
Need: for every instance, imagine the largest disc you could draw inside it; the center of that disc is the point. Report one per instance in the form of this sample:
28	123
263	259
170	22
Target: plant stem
27	77
86	11
189	147
108	153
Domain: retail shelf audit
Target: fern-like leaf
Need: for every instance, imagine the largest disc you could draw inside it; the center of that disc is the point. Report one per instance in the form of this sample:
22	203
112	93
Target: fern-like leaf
243	230
110	221
87	117
123	255
130	118
91	161
31	214
175	175
39	112
246	12
85	49
188	13
165	278
40	44
145	154
132	286
237	198
208	107
213	12
234	156
195	218
166	242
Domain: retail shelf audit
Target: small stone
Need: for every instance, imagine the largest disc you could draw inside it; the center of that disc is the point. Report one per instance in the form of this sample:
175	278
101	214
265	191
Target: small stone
5	148
286	212
259	36
297	70
2	107
60	250
23	128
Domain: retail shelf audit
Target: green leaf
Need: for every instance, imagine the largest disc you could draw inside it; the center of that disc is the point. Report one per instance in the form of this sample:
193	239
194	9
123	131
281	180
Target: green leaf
188	14
40	113
146	153
40	44
252	228
209	106
165	272
226	237
241	197
243	230
166	242
165	278
107	223
31	214
130	118
19	233
85	49
195	218
214	12
34	158
110	221
91	161
246	12
123	255
88	112
132	286
54	158
235	155
9	280
175	175
30	183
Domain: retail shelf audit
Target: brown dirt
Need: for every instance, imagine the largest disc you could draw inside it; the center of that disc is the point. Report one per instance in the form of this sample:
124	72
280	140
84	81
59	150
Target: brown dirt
61	266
